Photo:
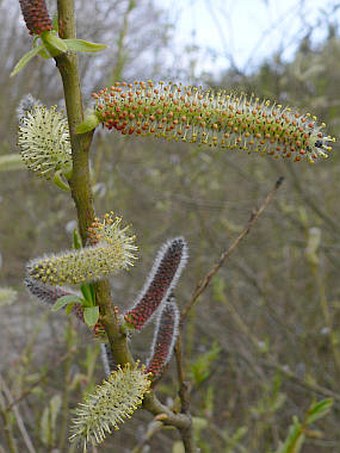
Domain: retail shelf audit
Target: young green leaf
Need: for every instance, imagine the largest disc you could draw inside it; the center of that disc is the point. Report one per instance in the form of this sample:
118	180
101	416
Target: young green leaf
76	240
65	300
53	43
88	293
91	315
318	410
25	59
294	440
44	53
79	45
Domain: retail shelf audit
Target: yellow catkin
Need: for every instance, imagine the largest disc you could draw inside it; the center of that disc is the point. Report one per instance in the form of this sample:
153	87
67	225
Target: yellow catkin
110	404
114	250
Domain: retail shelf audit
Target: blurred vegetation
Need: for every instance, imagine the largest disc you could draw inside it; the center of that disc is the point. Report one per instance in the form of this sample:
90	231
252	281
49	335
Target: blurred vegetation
264	341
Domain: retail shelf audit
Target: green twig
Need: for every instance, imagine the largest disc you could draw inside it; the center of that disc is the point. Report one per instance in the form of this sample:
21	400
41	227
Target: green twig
81	191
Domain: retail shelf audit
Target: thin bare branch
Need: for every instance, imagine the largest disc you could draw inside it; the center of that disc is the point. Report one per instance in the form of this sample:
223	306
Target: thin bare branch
204	283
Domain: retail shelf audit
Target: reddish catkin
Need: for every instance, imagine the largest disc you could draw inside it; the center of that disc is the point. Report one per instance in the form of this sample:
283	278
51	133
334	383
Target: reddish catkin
164	339
191	114
36	16
163	277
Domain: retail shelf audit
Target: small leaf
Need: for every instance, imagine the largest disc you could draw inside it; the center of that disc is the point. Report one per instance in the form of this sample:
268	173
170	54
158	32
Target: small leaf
53	43
77	244
93	295
25	59
44	53
318	410
91	315
294	439
65	300
79	45
88	293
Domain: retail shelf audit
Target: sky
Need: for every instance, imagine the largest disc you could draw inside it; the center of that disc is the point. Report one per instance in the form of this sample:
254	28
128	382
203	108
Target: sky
244	32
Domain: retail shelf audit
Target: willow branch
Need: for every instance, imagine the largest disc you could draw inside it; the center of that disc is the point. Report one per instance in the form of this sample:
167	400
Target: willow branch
80	183
82	195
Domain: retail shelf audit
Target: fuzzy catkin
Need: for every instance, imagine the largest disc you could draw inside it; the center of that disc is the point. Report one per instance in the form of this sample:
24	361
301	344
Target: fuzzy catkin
36	16
114	251
164	339
190	114
168	266
111	403
44	141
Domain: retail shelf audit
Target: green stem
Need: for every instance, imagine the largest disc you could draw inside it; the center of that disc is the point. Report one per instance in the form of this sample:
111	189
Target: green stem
68	67
80	182
82	195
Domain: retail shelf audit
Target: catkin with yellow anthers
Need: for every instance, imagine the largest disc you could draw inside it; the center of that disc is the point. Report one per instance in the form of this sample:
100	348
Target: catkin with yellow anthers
111	403
190	114
44	141
115	251
107	228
